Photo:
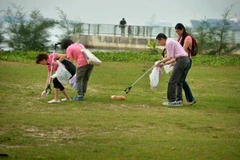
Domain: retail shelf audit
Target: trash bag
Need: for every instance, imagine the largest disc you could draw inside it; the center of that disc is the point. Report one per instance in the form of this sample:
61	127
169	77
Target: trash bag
91	58
168	68
62	73
72	82
154	77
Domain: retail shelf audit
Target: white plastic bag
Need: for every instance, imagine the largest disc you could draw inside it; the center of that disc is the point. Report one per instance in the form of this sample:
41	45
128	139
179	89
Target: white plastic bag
168	68
91	58
72	82
62	73
154	77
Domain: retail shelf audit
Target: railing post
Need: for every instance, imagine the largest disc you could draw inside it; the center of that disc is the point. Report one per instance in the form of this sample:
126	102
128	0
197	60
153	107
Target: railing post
114	30
138	31
98	29
169	32
89	27
150	30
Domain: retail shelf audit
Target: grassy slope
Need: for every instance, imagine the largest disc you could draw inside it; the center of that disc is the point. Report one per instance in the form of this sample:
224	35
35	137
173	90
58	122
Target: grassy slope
138	128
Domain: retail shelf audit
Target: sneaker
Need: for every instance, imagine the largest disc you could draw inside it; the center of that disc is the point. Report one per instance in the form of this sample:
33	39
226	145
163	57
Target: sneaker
65	99
54	101
191	103
175	103
77	98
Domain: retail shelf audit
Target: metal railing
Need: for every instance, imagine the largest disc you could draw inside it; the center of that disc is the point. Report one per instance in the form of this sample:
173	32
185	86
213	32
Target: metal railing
136	31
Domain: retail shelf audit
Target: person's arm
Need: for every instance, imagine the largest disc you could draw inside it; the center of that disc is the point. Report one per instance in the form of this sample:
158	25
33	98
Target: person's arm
187	43
60	57
161	62
47	81
43	95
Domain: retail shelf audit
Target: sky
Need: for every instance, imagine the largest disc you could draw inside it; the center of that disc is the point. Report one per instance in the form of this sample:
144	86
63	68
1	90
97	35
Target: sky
136	12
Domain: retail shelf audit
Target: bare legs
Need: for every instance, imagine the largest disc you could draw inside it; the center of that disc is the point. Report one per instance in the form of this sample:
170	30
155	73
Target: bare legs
56	90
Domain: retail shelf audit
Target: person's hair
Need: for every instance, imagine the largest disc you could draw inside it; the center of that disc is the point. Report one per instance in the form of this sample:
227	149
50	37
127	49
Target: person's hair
40	57
160	36
184	34
65	43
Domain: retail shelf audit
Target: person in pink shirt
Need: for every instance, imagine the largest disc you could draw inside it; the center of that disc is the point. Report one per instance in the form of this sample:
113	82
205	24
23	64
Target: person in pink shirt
84	70
175	55
186	41
50	61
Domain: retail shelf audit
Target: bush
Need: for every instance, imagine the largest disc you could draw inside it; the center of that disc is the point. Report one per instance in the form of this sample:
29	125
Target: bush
138	57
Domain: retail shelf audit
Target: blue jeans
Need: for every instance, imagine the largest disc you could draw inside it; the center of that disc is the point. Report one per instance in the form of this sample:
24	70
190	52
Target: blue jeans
186	88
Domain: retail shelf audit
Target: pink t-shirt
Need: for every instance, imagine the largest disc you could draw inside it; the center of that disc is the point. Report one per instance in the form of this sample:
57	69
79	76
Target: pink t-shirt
49	61
187	39
174	49
74	52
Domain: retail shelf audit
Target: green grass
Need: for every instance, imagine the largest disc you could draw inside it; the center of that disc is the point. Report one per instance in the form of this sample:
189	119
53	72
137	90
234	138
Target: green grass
137	128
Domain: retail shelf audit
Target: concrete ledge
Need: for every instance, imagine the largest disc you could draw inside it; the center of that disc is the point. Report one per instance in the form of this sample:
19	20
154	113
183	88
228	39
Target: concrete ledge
113	42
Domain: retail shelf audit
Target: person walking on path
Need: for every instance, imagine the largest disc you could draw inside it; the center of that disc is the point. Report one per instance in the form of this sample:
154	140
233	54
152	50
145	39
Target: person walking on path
186	41
175	54
84	70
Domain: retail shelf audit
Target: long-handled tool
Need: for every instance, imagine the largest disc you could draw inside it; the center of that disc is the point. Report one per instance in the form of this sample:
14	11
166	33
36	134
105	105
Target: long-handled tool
127	90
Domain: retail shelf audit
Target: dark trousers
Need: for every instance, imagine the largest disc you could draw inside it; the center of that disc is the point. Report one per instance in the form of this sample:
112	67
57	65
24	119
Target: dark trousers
186	88
71	69
175	83
83	74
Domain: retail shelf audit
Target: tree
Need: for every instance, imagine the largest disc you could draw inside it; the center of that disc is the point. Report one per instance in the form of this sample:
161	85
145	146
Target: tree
215	37
28	33
1	33
70	27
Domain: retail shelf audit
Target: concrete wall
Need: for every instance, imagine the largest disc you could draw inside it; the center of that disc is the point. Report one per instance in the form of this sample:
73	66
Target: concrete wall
113	42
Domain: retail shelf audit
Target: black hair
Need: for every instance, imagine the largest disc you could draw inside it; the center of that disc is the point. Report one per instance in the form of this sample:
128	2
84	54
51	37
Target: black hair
185	34
160	36
65	43
40	57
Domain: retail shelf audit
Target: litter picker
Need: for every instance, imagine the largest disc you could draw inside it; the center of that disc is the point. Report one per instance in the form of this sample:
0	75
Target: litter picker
127	90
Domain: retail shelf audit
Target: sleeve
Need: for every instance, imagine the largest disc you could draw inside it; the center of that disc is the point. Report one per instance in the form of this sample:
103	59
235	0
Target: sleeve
69	53
170	50
188	39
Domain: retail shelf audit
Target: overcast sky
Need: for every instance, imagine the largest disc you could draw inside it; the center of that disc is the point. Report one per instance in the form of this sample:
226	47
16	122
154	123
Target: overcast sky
136	12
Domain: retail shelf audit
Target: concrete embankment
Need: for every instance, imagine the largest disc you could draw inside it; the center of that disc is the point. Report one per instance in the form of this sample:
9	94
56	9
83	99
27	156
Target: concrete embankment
113	42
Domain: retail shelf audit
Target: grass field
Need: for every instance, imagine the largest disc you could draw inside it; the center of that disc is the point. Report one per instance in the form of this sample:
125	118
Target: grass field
138	128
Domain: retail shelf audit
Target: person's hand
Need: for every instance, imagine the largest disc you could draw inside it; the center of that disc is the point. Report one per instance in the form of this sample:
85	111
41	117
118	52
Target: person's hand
161	65
54	63
44	94
171	65
157	63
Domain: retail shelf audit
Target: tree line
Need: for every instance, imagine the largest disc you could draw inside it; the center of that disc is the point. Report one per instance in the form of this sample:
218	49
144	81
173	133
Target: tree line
31	32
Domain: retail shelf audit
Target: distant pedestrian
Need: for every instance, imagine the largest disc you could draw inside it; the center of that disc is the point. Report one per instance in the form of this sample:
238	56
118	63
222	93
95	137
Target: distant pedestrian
186	41
84	70
122	25
50	62
129	31
175	55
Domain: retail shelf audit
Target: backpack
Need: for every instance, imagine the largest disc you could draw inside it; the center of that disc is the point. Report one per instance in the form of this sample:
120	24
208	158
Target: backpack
194	50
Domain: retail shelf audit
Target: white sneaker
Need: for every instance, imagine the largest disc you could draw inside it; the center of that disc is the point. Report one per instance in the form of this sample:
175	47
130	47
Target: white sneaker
65	99
175	103
54	101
